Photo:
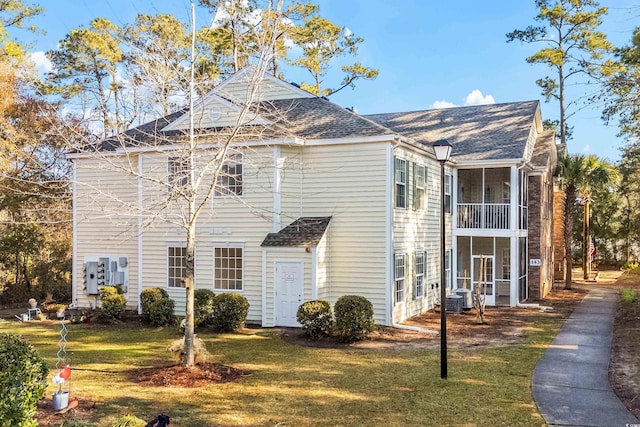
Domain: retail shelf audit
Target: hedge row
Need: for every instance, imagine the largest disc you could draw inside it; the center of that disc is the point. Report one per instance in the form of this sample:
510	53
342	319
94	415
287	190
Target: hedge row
223	312
353	318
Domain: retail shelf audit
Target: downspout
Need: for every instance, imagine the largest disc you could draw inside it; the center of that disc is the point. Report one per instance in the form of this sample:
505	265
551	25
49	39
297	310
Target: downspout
140	229
74	227
414	328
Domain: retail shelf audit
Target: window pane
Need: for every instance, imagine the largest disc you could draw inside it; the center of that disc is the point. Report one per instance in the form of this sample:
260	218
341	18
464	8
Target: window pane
228	268
176	266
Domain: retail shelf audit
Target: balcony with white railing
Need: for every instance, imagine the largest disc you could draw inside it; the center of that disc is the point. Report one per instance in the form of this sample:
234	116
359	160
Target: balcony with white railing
494	216
485	198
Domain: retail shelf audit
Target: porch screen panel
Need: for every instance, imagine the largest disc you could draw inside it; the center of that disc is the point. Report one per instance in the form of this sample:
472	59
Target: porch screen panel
522	269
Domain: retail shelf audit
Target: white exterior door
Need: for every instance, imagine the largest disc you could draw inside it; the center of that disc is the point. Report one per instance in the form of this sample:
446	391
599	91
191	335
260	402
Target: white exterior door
490	284
289	291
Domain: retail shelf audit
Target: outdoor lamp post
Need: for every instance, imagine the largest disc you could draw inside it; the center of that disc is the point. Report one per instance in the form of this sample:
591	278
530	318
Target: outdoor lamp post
442	150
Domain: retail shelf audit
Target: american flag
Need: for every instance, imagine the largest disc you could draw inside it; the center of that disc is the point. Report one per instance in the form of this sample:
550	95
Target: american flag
592	250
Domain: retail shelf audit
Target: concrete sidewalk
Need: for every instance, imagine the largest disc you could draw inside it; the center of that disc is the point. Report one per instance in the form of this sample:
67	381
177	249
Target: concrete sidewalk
571	381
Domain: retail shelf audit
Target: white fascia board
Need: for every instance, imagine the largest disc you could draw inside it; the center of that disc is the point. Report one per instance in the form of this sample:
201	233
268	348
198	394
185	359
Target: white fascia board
488	163
350	140
175	147
93	154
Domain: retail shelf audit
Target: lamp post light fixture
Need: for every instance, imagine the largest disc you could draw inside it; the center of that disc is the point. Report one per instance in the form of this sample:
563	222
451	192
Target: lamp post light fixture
442	150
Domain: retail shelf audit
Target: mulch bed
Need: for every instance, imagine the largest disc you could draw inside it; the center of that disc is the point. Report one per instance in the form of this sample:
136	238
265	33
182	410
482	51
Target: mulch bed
503	326
180	376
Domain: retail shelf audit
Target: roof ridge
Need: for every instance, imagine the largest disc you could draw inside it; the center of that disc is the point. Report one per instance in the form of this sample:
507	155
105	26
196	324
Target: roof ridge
457	107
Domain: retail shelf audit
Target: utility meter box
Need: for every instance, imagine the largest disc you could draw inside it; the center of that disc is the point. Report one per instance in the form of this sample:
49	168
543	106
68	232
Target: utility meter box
91	278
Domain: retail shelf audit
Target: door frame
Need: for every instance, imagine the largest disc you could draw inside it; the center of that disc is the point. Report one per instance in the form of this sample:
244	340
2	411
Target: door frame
300	261
491	299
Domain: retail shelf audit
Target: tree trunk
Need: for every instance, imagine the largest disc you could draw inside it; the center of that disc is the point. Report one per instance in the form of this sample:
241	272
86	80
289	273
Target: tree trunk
586	263
569	209
189	329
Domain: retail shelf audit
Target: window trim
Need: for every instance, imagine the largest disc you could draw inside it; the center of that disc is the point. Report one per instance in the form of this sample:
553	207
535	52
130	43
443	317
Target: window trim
399	293
170	278
223	192
242	271
419	203
419	291
176	164
396	170
448	200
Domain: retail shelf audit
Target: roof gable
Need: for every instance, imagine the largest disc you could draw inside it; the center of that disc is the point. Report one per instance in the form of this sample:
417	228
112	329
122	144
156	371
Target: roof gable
270	88
215	112
303	232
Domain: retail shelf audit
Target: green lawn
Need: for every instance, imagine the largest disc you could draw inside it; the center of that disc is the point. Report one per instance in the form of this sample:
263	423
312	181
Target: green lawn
291	385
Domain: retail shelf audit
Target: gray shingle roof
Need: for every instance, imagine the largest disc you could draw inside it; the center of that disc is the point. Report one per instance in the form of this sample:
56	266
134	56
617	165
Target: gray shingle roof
304	231
483	132
544	149
308	118
318	118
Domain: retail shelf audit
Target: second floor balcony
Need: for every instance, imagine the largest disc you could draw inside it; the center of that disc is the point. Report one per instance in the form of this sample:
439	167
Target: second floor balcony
484	215
486	198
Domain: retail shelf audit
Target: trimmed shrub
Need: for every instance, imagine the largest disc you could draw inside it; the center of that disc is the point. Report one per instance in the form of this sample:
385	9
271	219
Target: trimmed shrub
629	295
161	312
202	307
23	381
354	317
229	311
113	302
149	296
316	318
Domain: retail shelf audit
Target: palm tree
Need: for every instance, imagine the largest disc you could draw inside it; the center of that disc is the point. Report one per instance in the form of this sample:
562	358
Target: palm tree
579	175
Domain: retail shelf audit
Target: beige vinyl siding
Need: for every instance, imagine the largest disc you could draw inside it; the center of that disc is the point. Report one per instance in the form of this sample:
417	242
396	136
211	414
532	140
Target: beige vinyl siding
236	91
229	221
106	220
292	161
419	229
284	254
211	114
348	182
323	264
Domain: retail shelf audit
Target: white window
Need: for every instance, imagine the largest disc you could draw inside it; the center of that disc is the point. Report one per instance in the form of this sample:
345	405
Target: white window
419	184
447	193
230	179
177	265
178	172
420	261
447	268
401	183
400	265
228	264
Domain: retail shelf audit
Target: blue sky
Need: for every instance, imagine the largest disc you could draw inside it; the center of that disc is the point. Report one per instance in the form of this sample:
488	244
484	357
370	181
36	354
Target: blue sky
429	53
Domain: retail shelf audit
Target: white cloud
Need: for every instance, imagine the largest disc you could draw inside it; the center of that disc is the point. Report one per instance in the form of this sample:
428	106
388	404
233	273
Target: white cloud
587	148
443	104
477	98
474	98
41	62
